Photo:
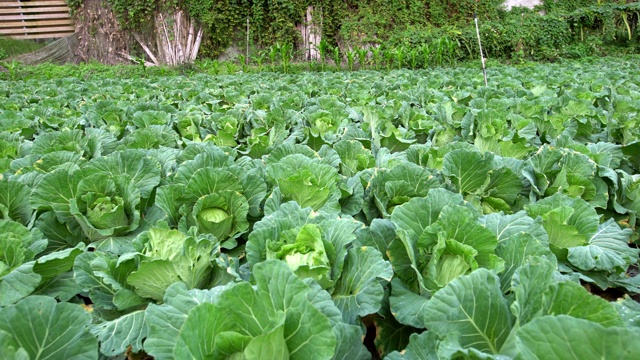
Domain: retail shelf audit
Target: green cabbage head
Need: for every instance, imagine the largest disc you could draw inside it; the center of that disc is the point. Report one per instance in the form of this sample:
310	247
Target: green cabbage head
304	251
222	214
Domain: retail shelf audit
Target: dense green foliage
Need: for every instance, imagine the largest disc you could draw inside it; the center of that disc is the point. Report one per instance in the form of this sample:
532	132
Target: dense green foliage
571	5
209	217
570	28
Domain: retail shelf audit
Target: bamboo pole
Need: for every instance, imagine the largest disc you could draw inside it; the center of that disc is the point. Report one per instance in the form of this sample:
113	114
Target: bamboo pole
129	57
196	45
307	28
246	58
146	49
484	70
178	37
190	40
167	43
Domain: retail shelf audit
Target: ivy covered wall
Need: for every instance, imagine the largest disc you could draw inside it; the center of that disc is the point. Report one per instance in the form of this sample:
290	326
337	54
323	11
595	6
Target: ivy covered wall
362	23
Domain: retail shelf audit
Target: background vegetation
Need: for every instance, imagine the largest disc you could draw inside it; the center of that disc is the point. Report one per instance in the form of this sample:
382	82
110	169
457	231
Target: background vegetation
442	28
10	47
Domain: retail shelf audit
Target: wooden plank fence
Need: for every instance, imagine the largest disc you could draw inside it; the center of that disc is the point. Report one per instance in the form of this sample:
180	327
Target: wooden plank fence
35	19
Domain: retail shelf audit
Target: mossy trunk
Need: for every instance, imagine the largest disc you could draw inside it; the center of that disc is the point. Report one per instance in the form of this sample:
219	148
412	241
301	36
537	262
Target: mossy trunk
174	38
310	34
100	37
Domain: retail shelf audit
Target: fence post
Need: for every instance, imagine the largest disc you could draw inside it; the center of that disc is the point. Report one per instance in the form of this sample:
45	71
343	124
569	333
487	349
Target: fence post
246	58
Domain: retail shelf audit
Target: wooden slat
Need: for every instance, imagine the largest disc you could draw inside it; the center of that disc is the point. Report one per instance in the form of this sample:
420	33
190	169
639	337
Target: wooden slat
35	10
42	36
36	23
33	3
33	17
37	30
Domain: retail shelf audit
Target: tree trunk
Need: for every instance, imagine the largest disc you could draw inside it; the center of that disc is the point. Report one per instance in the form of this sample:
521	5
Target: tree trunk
99	34
173	39
310	33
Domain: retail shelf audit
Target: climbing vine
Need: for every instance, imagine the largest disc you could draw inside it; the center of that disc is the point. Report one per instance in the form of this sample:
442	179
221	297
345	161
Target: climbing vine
361	23
569	5
275	20
138	14
447	12
221	18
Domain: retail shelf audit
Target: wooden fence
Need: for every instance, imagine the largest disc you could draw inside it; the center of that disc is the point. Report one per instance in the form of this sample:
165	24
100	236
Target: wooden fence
35	19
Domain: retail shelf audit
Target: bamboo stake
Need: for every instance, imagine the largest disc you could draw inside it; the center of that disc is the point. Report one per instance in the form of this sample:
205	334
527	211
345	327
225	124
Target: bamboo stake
168	48
176	35
159	41
189	40
196	45
321	25
178	39
307	28
484	70
246	58
145	48
129	57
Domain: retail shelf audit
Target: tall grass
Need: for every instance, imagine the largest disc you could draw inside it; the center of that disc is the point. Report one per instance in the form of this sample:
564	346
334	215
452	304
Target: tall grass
11	47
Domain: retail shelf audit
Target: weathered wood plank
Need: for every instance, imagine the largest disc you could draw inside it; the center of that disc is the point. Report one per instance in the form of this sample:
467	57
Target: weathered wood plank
35	23
48	9
42	36
33	17
37	30
33	3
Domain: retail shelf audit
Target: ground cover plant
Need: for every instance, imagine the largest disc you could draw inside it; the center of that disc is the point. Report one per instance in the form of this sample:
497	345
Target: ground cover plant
400	215
11	47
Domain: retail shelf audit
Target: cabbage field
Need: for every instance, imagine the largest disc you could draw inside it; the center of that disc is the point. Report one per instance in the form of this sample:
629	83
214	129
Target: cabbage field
353	215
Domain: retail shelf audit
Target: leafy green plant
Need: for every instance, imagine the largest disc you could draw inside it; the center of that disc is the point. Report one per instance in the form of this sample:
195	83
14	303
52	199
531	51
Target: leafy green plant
323	50
362	57
388	55
141	63
215	67
337	57
258	59
425	51
286	55
101	205
209	66
242	60
450	46
274	51
187	258
312	65
13	67
376	54
445	49
439	52
414	58
208	217
399	55
230	67
351	59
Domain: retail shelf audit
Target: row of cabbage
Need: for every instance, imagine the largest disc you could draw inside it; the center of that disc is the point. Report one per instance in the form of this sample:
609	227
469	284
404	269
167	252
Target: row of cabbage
270	216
